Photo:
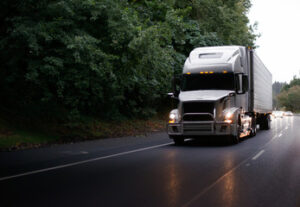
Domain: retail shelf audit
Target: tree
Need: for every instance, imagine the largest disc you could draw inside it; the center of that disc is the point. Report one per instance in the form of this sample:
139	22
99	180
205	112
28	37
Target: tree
276	88
106	58
289	97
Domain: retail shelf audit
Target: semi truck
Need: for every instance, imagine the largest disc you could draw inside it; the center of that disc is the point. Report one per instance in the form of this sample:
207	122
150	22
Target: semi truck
223	91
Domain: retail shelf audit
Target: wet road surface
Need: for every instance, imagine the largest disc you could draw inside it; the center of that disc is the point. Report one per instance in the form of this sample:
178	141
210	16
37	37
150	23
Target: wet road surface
151	171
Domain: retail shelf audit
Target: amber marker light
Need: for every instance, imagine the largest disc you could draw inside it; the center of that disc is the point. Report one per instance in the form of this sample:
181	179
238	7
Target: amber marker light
225	71
228	121
211	72
172	121
188	73
201	72
206	72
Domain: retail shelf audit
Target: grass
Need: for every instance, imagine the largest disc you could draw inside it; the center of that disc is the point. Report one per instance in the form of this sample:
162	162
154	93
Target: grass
23	139
16	137
21	134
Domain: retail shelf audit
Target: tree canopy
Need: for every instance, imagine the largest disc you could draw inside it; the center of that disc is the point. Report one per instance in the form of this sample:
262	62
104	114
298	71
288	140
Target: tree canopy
108	58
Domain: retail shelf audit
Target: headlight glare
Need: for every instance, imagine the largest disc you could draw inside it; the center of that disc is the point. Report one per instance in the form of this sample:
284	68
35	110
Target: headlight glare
172	116
228	115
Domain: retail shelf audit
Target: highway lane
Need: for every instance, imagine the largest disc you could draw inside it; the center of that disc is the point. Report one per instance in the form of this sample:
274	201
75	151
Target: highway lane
148	171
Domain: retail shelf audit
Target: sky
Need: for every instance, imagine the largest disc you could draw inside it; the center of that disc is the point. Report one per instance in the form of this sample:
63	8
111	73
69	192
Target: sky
279	44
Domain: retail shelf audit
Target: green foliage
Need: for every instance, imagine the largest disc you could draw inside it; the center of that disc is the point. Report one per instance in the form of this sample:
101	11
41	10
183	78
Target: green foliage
107	58
276	88
294	82
289	97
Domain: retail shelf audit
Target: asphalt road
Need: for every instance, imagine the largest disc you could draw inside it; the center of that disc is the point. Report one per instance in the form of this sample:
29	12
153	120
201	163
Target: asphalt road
151	171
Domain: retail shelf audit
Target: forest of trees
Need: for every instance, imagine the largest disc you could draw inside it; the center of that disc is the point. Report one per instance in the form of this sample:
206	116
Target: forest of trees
289	96
107	58
277	86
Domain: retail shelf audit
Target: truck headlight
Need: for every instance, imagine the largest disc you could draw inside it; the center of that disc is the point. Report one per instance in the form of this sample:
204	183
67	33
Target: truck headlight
228	117
173	117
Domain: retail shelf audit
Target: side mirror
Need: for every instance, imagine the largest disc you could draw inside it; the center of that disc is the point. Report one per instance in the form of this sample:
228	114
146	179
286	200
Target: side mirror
172	95
176	86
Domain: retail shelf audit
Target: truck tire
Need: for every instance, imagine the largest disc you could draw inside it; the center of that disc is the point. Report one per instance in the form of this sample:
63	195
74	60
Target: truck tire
253	128
235	139
266	123
253	132
178	141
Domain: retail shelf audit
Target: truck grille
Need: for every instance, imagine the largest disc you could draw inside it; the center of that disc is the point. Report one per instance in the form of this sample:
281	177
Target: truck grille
198	107
197	127
196	117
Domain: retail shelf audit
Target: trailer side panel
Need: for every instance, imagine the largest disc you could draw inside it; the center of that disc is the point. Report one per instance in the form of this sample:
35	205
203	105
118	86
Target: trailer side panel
262	86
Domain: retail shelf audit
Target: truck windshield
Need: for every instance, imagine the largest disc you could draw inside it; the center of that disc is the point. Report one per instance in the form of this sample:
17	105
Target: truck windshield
216	81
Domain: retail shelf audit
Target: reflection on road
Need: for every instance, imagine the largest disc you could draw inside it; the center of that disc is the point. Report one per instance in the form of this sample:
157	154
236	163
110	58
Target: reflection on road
228	187
286	122
173	180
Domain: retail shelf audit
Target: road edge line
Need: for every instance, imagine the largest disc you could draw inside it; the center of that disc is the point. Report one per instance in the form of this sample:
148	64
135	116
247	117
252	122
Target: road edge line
81	162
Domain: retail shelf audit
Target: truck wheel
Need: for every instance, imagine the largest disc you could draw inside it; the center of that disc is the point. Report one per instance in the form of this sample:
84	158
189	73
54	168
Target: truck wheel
235	139
253	132
253	128
178	140
266	125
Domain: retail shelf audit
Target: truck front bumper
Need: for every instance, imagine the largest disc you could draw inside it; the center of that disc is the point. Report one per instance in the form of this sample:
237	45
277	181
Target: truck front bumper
193	129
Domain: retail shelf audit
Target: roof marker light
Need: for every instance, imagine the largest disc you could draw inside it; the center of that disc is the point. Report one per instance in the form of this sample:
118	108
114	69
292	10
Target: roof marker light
225	71
211	72
206	72
188	73
201	72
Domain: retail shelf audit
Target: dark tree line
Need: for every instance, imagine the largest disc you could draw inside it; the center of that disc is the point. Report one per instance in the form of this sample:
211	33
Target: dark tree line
106	58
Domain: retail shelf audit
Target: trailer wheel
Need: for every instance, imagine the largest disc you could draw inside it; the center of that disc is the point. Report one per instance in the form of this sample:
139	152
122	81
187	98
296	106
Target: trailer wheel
266	123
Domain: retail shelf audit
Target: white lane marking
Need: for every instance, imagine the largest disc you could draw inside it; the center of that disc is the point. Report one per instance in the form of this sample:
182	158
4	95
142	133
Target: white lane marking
83	162
84	152
280	135
201	193
74	153
258	155
286	128
220	179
